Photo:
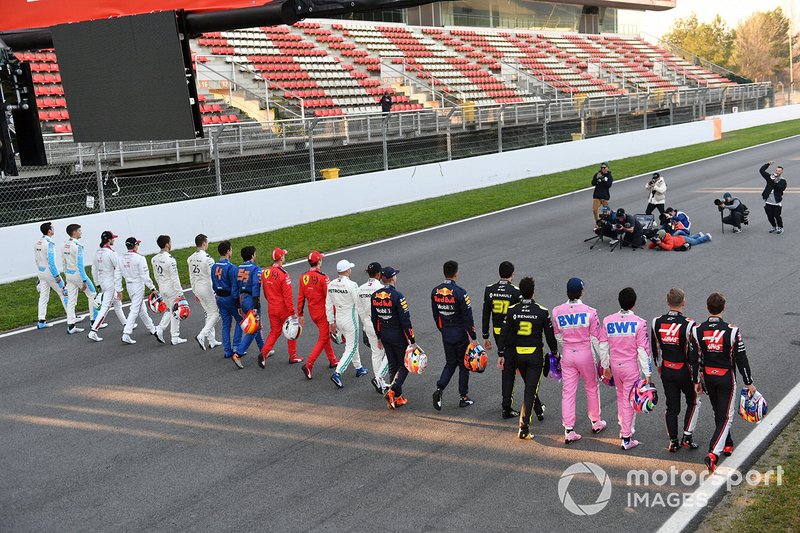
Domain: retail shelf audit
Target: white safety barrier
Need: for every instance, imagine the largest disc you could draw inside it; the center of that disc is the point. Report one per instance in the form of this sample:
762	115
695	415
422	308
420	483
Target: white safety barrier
750	119
248	213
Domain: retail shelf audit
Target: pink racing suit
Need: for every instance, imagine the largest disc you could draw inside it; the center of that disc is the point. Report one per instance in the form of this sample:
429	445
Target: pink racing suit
578	331
629	351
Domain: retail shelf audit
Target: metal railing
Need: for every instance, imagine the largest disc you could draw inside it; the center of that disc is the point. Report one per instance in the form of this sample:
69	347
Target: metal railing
82	179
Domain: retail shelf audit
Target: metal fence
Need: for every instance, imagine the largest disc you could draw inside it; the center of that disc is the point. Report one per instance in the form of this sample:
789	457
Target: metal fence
83	179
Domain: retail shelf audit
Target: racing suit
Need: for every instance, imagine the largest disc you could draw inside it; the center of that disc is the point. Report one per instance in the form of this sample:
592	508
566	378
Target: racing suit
578	330
671	339
497	299
165	270
226	290
720	349
629	349
200	264
44	252
392	322
521	338
340	309
364	308
106	270
75	272
137	277
277	286
249	278
314	288
452	313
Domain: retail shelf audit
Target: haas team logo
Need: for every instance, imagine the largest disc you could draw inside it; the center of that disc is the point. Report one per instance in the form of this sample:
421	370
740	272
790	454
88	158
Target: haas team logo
713	340
669	333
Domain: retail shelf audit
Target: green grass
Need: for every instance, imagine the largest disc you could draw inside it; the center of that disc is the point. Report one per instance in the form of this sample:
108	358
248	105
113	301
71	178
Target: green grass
18	299
775	507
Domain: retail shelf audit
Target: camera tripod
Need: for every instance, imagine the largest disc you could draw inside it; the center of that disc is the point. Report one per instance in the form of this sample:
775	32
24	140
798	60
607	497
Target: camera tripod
601	238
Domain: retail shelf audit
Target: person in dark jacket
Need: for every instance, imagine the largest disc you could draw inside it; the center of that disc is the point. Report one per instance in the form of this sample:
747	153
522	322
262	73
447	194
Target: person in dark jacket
773	196
737	210
601	181
386	102
452	313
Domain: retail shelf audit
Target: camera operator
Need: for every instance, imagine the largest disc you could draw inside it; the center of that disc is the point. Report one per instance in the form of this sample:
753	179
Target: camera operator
672	225
680	221
629	229
658	197
605	224
601	181
773	196
738	211
676	243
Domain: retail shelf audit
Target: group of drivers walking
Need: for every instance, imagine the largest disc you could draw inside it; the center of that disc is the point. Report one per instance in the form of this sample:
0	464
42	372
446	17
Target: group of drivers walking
694	358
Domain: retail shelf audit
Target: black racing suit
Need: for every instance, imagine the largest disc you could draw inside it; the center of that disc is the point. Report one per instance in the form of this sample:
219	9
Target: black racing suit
392	323
521	337
497	299
720	350
671	339
452	313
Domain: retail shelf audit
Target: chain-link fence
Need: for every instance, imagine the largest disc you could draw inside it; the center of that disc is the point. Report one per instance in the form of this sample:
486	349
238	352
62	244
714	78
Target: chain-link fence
233	158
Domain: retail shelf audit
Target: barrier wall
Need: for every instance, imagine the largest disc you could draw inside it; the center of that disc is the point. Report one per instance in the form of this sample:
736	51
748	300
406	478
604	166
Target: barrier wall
750	119
236	215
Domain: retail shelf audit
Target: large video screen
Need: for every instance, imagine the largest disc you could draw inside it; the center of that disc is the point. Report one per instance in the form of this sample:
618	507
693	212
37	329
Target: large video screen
125	79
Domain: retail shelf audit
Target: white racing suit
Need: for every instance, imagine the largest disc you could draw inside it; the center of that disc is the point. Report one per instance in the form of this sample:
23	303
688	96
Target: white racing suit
165	270
137	277
340	307
75	272
106	271
44	252
200	264
380	365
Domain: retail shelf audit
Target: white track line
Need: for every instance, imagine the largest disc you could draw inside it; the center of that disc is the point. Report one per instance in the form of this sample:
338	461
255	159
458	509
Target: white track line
687	516
476	217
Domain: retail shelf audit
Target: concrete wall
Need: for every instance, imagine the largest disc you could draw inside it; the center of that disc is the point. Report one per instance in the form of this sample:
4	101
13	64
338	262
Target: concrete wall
235	215
749	119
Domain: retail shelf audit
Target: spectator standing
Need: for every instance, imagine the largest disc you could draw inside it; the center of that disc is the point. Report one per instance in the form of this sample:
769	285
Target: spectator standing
601	181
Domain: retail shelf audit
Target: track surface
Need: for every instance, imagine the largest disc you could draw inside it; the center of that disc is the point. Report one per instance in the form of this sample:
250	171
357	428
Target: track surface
150	437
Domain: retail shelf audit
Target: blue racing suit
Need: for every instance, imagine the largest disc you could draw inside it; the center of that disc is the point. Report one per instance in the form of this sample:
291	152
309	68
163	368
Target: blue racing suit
226	289
249	280
452	312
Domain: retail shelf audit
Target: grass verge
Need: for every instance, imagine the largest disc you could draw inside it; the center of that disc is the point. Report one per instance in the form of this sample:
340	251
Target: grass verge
768	508
18	300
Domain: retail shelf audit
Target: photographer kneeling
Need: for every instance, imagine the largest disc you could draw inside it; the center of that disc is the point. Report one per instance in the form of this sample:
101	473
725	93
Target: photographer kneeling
605	224
629	229
676	243
678	221
738	211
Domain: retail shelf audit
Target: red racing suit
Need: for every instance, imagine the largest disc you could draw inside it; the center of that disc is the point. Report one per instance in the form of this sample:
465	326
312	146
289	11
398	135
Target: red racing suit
277	286
314	288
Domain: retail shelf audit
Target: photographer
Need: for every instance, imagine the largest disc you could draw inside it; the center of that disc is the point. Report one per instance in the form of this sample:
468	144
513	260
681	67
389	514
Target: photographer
773	195
629	229
658	188
676	243
738	211
679	220
601	181
605	224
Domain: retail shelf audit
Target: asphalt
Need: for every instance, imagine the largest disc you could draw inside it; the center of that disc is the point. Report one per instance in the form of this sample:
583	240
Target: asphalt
99	437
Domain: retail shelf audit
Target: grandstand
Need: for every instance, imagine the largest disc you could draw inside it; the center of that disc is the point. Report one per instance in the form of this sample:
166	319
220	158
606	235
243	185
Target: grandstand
330	68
